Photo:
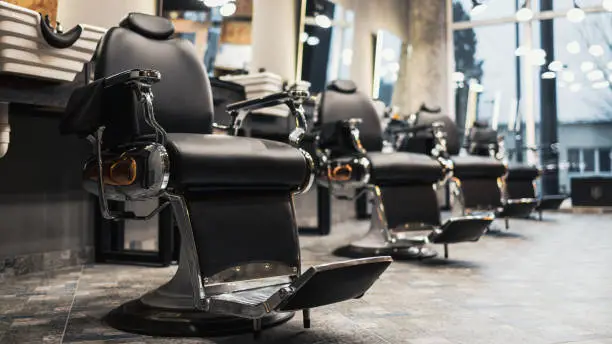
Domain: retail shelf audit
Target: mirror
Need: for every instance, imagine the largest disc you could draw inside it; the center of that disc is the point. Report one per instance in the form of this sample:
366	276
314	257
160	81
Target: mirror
219	29
387	54
325	40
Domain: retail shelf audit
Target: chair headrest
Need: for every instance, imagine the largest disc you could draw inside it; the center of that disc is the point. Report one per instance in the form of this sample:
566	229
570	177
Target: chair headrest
149	26
344	86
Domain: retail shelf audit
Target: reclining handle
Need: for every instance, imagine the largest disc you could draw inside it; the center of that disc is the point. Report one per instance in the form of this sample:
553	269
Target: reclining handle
58	39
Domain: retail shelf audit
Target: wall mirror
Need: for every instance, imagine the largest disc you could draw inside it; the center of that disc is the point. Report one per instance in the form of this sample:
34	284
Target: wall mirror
219	29
387	55
325	42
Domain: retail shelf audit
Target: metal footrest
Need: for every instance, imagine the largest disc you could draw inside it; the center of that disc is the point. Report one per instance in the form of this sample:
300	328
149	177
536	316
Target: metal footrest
518	208
461	229
318	286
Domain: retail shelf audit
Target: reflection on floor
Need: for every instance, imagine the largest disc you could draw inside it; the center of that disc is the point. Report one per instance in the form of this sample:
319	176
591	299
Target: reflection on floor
542	282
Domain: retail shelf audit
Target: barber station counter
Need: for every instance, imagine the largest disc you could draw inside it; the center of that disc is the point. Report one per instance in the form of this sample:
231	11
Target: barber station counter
46	219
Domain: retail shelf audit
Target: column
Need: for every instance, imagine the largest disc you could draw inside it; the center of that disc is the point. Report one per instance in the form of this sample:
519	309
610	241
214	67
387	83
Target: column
274	37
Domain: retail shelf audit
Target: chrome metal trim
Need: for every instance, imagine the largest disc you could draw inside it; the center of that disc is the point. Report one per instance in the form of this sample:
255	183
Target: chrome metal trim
378	221
310	177
457	200
183	221
522	201
250	271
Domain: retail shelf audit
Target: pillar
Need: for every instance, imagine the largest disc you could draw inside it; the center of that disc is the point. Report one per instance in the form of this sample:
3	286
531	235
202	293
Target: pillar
274	37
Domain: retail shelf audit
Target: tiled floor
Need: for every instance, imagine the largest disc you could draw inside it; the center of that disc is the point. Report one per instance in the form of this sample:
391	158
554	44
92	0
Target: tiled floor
542	282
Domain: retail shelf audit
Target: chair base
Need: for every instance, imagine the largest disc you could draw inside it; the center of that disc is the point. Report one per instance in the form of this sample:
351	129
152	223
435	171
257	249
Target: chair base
551	202
168	311
138	317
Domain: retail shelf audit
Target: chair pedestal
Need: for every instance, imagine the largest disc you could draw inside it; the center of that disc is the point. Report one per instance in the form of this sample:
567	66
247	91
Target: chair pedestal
169	311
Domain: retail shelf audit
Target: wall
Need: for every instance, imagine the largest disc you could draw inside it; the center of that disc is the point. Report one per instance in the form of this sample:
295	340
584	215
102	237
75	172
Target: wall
103	13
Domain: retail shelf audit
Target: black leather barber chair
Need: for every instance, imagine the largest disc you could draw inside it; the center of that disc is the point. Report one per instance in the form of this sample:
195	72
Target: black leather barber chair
520	187
475	182
231	197
349	143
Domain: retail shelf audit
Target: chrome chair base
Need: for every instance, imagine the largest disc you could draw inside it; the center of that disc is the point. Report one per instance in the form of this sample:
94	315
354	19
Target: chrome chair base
168	311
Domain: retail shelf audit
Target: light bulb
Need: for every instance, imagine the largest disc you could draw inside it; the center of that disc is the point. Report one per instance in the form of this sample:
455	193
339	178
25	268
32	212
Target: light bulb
215	3
575	15
601	84
556	66
607	5
548	75
587	66
595	75
521	51
312	40
575	87
596	50
524	14
573	47
323	21
458	77
228	9
303	37
569	76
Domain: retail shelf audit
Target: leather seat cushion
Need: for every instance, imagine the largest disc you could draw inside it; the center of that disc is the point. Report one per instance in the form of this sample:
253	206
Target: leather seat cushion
400	168
472	167
518	171
229	161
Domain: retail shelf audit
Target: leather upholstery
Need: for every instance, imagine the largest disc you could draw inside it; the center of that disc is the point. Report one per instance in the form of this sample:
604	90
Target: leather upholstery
342	101
183	106
472	166
518	171
401	168
148	26
182	99
453	141
219	160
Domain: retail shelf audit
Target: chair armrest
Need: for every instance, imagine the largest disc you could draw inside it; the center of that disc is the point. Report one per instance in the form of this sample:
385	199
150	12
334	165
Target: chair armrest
292	99
341	137
425	108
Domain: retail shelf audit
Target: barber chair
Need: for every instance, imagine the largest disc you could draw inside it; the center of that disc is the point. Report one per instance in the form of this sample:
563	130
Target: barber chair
520	188
231	197
348	150
475	182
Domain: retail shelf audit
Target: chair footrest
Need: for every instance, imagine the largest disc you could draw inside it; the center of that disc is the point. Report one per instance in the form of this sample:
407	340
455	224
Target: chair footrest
340	281
461	229
518	207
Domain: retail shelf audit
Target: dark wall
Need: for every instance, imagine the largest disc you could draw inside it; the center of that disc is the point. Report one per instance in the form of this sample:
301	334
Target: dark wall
42	205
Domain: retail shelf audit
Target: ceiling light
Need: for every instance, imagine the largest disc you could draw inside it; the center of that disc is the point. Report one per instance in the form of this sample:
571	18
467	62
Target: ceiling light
576	14
215	3
575	87
549	75
607	5
569	76
595	75
521	51
312	40
323	21
556	66
596	50
303	37
587	66
573	47
477	7
601	84
524	14
228	9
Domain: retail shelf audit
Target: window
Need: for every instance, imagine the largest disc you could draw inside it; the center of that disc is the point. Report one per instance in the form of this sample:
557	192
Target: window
573	159
605	160
588	160
492	10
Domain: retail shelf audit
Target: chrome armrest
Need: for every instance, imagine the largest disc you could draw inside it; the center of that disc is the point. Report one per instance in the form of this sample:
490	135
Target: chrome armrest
292	99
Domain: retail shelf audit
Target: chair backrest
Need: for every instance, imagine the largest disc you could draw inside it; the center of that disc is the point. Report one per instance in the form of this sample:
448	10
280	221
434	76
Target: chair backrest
182	100
453	140
481	138
341	101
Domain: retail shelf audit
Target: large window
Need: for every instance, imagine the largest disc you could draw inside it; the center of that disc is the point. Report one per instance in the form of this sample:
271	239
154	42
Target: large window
546	86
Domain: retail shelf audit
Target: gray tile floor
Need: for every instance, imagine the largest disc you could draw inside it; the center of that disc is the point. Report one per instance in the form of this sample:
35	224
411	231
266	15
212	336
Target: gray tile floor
541	282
